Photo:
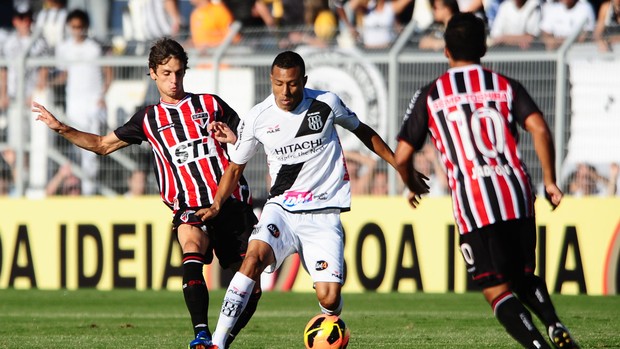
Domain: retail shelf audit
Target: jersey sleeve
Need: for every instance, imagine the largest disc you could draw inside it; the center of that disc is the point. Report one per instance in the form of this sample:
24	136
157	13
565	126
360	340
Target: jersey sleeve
246	144
415	122
228	116
132	131
344	116
522	105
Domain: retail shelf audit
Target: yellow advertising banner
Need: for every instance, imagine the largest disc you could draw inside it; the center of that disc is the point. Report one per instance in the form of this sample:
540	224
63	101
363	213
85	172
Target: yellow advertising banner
109	243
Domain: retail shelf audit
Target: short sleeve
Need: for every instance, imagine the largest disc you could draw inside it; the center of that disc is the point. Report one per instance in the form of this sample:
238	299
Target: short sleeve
415	121
344	116
523	105
246	144
132	131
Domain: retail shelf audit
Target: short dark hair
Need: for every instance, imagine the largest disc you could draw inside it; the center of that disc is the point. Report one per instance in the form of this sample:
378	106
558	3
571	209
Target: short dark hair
164	49
466	37
79	14
289	59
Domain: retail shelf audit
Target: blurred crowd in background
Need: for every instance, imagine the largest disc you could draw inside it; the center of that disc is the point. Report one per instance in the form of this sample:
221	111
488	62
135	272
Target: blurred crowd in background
96	28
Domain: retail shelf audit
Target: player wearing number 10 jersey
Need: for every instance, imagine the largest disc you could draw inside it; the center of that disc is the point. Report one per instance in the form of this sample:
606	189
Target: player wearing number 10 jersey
472	115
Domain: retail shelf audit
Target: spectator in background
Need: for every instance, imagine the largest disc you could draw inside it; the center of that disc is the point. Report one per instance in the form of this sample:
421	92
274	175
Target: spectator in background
251	13
474	6
346	23
379	183
608	20
517	23
360	168
153	19
99	14
15	45
209	24
443	10
379	24
136	183
51	20
293	13
86	86
7	172
319	28
64	182
427	162
586	181
560	19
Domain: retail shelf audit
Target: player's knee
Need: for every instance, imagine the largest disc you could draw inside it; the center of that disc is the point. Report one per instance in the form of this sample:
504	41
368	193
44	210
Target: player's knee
329	298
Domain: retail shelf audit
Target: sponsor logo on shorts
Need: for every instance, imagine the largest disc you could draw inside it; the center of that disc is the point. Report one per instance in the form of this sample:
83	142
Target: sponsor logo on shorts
256	229
337	275
273	229
185	216
320	265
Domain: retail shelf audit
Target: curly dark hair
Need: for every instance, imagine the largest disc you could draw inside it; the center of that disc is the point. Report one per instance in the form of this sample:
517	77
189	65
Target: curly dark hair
163	50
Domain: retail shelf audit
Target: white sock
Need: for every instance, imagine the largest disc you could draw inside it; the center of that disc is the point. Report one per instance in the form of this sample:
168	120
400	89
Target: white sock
235	300
336	311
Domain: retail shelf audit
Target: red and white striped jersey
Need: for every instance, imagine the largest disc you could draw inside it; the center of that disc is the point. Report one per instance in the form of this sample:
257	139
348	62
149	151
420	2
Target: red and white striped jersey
472	115
188	160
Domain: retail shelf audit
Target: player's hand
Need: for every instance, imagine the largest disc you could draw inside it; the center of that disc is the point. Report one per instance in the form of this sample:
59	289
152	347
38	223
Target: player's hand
208	212
44	115
414	199
222	132
553	194
418	183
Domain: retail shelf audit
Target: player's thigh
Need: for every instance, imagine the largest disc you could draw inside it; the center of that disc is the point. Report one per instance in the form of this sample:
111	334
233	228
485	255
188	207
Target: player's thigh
274	228
190	231
322	245
230	231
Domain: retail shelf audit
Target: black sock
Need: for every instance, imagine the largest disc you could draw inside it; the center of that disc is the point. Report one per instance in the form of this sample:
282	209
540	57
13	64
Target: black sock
532	291
517	321
245	316
195	291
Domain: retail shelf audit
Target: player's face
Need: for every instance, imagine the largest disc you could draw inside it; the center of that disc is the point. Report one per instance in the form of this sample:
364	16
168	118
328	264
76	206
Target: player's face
288	87
169	80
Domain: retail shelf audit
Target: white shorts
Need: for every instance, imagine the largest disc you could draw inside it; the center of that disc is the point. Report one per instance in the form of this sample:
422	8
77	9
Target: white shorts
316	236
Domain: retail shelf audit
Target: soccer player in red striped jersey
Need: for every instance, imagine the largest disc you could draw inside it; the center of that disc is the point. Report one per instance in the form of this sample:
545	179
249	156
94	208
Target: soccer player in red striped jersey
187	133
472	115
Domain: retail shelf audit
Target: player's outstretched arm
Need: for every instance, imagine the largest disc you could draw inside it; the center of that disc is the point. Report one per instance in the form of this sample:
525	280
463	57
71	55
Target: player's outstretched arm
543	145
101	145
374	142
225	187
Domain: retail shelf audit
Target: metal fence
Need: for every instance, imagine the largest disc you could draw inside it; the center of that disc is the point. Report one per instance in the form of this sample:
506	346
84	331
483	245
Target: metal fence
384	80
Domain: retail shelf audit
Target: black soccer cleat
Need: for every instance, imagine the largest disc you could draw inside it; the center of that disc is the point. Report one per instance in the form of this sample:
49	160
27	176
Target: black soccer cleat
560	337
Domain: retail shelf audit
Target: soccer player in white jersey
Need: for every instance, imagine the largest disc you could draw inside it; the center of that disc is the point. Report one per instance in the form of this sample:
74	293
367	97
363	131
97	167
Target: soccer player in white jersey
309	187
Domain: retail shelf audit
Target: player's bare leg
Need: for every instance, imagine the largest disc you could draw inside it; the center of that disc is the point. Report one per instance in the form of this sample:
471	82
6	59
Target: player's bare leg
330	299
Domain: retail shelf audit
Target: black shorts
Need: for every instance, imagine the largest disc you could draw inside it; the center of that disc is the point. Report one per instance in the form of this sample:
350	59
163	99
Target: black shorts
228	231
500	252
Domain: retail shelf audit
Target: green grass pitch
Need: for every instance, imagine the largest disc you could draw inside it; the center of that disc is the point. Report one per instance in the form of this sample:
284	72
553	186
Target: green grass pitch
158	319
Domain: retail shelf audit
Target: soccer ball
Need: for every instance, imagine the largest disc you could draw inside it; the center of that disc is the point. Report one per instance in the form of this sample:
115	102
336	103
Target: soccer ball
326	332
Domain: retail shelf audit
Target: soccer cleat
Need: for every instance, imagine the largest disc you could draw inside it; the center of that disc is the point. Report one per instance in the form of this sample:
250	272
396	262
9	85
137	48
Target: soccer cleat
202	341
561	338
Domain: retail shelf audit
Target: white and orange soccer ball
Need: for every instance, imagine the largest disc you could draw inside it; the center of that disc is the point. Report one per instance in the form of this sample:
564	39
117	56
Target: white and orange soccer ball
326	332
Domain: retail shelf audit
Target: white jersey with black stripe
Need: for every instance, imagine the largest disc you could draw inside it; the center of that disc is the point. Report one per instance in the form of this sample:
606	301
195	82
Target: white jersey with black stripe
304	155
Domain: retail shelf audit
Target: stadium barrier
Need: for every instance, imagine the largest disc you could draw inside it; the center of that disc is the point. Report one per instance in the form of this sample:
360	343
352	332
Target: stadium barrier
72	243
